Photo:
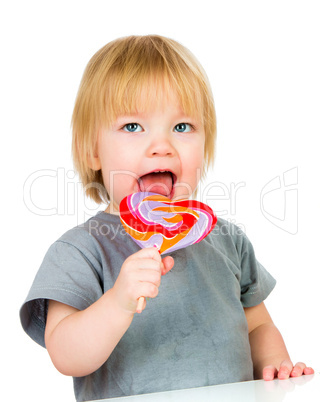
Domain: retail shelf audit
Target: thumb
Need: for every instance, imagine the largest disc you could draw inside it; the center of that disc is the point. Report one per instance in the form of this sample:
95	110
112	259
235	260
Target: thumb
167	264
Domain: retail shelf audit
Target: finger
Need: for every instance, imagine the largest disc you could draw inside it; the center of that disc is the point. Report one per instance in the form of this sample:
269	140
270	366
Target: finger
308	371
147	264
150	276
298	369
269	373
167	265
285	370
148	290
149	252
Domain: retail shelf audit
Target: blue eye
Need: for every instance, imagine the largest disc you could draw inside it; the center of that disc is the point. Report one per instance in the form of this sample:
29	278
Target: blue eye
132	128
183	128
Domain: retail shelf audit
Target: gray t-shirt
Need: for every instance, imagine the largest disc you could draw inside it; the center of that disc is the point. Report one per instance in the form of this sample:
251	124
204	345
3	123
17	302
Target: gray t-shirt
194	333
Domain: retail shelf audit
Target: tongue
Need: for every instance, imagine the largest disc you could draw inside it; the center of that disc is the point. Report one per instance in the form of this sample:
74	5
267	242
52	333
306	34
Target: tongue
160	183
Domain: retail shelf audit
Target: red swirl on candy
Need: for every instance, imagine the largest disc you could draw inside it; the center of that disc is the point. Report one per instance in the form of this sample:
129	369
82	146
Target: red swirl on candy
154	220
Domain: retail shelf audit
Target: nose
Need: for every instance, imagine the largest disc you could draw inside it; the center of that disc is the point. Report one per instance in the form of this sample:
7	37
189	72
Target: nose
161	145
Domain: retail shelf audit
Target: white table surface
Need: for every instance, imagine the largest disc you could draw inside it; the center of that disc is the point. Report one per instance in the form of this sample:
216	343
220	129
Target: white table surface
305	388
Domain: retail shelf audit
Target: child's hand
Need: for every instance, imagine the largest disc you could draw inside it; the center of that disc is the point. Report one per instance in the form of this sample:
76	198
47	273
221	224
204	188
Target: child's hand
286	370
140	275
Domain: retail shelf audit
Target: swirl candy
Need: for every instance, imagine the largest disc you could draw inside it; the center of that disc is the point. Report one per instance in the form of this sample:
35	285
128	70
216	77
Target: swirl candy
154	220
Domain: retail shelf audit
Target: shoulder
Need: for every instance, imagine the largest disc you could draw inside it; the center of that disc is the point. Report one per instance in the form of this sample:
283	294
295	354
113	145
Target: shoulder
101	241
228	228
230	241
91	233
227	234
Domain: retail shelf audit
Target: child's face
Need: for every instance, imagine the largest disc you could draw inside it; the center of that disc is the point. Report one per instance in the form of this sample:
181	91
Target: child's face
158	149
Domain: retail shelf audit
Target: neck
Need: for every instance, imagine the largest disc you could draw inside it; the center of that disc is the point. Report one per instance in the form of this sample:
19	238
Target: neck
112	209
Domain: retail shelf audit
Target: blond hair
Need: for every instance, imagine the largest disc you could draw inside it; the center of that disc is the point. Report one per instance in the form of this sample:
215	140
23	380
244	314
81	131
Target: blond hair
112	84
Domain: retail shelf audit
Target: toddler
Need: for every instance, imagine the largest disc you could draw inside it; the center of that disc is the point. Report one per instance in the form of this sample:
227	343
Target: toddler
144	120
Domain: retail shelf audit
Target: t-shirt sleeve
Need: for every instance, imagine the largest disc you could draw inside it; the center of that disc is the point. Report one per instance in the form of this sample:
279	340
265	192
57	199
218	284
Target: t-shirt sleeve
68	274
256	282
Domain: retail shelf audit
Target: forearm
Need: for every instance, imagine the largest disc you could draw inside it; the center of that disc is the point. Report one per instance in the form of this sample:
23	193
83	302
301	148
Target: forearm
267	348
84	340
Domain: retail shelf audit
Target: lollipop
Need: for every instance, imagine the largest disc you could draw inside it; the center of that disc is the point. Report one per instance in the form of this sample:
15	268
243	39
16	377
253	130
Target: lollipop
154	220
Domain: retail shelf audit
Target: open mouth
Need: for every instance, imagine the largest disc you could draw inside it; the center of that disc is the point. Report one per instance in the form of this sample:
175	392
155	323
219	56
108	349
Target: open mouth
160	182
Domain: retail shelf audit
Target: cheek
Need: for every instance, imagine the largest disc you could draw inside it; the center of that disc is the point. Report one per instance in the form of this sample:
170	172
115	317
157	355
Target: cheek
120	183
192	167
195	157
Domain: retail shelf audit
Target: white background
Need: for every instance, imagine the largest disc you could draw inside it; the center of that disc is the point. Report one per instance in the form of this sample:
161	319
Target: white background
262	58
